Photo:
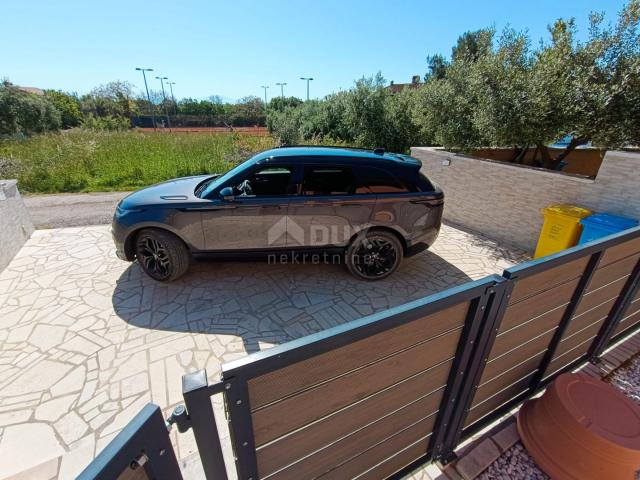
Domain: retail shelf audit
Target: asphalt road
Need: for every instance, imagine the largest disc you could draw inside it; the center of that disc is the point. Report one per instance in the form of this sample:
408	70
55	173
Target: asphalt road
72	209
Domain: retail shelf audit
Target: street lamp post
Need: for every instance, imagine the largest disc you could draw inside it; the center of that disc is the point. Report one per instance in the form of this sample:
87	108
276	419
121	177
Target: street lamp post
175	105
164	98
146	87
265	93
281	88
307	79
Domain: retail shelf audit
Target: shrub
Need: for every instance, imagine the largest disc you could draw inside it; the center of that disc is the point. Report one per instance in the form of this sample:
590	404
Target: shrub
368	116
68	105
23	113
107	123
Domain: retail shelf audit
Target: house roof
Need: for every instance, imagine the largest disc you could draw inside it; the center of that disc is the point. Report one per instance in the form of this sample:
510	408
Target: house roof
34	90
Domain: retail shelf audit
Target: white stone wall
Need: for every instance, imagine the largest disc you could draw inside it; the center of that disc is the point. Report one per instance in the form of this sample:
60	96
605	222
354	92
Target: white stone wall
15	224
504	201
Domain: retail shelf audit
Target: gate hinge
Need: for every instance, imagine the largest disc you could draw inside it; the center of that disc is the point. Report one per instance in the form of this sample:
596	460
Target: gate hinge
180	418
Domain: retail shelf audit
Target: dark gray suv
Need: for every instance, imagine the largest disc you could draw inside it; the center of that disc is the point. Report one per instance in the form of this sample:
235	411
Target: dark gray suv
369	207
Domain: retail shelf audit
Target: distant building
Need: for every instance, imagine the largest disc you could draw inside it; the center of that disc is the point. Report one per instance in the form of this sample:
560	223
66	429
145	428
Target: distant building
34	90
398	87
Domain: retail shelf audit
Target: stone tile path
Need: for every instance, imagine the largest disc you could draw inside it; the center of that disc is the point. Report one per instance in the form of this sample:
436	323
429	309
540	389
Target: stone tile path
86	339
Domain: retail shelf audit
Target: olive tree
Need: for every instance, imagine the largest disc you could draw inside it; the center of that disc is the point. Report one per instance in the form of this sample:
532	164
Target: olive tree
507	94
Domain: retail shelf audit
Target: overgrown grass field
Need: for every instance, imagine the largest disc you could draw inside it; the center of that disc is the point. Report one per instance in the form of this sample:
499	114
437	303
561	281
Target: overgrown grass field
84	160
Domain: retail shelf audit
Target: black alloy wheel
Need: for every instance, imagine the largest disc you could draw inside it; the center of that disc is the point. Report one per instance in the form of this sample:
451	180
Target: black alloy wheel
374	255
161	255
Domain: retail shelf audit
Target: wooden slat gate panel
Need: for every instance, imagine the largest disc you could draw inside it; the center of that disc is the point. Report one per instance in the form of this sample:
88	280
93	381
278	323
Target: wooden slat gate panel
563	310
357	399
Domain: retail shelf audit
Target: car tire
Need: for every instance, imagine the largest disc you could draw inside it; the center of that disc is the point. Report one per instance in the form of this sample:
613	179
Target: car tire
374	255
161	255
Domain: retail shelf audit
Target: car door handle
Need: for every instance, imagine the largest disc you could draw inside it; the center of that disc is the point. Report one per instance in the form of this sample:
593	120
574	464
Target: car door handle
278	207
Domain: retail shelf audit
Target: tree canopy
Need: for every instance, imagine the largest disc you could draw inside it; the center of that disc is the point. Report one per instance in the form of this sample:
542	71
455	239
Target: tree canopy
499	91
496	90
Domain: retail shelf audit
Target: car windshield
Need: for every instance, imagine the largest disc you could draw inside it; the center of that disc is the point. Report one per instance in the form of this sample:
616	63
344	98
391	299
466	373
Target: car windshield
223	178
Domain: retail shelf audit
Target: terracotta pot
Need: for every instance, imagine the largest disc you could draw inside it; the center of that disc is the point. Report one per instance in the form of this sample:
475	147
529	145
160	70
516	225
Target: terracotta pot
582	428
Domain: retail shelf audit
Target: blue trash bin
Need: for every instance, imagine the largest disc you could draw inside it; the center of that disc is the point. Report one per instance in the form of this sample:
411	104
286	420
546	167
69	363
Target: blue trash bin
600	225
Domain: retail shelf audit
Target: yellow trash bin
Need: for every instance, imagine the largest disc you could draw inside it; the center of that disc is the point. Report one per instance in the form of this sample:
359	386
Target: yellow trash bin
561	228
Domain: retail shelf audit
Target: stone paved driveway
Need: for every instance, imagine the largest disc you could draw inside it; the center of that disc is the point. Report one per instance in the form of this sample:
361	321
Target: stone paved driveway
86	339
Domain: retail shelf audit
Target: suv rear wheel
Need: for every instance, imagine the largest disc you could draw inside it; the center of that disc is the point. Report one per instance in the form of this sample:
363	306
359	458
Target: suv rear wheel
374	255
161	255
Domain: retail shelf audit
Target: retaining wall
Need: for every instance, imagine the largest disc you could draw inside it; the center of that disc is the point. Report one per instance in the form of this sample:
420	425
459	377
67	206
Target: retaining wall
15	224
503	201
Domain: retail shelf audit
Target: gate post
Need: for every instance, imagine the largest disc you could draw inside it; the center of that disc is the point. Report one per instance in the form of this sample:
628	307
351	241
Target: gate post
197	397
601	342
475	343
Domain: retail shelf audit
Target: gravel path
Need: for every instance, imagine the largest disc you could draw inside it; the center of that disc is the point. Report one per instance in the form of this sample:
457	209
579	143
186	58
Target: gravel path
72	209
514	464
627	379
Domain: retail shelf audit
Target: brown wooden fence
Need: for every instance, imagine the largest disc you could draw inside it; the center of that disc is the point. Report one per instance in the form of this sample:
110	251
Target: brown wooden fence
378	396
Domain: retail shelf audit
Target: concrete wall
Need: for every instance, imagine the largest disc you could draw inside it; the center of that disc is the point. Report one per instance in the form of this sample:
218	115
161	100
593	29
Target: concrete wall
503	201
15	224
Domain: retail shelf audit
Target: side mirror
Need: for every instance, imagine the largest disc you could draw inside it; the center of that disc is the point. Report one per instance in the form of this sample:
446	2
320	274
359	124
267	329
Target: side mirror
227	194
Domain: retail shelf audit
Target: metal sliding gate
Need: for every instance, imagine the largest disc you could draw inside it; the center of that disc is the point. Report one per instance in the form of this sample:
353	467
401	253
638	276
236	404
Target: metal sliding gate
376	397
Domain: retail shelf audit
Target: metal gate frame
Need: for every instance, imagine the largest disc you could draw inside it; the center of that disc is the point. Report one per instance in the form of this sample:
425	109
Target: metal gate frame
143	443
484	295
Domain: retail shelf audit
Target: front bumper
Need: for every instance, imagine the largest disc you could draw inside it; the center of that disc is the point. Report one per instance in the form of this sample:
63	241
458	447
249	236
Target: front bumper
119	235
120	254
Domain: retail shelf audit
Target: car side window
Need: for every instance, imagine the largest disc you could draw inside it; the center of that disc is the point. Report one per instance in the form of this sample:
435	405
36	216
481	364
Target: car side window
268	181
328	180
374	180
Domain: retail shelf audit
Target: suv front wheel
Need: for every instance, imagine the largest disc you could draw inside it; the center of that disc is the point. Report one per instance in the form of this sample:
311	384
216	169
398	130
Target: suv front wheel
161	254
374	255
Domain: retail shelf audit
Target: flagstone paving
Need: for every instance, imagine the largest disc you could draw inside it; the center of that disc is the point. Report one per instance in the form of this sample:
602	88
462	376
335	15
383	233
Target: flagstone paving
86	339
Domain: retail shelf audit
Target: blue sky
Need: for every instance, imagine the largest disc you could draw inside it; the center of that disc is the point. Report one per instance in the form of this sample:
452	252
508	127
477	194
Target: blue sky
231	48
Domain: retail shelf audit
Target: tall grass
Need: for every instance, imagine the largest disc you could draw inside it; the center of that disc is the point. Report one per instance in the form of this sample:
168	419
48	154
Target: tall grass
84	160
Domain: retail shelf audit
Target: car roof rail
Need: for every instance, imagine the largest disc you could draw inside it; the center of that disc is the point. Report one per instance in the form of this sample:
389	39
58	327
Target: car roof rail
337	147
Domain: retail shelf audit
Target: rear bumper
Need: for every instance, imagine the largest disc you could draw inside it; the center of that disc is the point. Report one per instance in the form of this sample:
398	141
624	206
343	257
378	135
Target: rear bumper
422	241
415	249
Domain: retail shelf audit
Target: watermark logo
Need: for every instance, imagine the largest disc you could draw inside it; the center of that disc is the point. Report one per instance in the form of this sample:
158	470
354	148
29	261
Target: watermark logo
287	231
277	234
293	235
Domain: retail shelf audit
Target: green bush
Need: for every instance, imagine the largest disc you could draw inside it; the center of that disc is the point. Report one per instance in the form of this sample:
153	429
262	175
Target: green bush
285	126
114	99
68	105
23	113
107	123
369	115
